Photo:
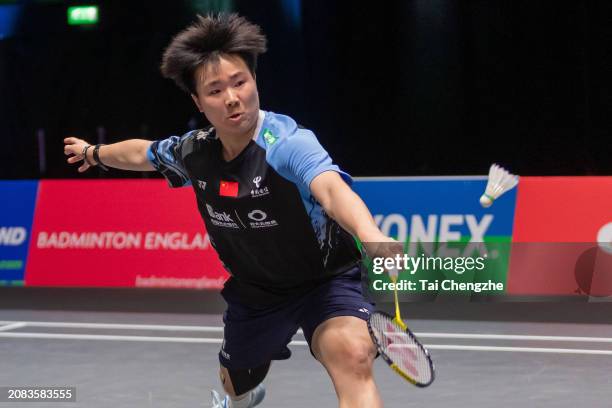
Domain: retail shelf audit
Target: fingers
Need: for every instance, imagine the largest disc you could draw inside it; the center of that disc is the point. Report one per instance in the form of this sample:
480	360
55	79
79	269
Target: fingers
73	140
74	159
83	167
73	147
387	248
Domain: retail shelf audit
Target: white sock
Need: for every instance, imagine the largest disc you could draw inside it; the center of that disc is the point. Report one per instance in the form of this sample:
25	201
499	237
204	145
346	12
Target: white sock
243	402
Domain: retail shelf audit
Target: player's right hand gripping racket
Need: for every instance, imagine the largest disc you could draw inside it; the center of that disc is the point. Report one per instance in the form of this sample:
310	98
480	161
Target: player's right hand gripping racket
399	347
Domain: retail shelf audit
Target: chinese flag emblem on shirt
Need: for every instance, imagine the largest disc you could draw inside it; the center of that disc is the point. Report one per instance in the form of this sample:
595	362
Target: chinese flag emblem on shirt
228	188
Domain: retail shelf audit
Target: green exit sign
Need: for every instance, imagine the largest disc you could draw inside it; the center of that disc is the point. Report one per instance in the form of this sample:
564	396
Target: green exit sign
83	15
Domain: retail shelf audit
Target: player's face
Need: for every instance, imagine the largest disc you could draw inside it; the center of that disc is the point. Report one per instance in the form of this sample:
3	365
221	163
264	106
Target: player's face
227	95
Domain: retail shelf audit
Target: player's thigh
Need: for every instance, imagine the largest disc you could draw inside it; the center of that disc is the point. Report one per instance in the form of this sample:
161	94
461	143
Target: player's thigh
252	338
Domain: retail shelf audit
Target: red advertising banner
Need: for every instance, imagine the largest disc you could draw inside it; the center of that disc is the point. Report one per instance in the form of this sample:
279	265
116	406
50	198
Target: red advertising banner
562	240
120	233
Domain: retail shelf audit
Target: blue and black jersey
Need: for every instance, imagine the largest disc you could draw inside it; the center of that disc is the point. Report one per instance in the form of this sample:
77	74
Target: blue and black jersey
271	234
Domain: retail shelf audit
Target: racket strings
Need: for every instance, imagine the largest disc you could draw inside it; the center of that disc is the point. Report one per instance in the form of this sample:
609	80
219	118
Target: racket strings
402	348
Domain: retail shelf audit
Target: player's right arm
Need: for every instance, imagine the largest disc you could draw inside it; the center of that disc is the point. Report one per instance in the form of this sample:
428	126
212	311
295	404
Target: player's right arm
126	155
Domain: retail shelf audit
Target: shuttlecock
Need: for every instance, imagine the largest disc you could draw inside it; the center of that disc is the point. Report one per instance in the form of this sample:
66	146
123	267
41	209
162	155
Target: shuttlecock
500	181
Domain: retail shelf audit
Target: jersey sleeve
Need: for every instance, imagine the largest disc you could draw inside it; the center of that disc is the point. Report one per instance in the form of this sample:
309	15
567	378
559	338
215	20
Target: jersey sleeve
302	158
166	156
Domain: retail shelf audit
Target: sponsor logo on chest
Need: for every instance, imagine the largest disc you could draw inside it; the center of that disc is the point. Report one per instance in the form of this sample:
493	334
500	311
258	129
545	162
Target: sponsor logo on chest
220	219
259	219
259	191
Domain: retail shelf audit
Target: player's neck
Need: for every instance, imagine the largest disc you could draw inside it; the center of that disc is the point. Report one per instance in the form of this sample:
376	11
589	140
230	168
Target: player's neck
234	144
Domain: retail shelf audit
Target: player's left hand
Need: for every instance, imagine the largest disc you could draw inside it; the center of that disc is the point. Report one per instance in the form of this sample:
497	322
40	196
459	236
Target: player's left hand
73	147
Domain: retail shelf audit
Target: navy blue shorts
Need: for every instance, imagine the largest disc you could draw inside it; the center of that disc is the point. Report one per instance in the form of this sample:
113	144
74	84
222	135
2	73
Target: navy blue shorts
253	337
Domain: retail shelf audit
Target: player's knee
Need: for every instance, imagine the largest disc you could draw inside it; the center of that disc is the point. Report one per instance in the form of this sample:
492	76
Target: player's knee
360	357
355	356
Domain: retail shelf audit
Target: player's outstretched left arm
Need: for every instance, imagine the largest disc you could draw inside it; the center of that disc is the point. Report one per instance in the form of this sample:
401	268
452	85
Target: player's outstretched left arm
126	155
343	205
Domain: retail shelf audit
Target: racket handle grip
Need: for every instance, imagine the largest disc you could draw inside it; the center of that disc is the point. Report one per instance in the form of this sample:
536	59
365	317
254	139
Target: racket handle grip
393	273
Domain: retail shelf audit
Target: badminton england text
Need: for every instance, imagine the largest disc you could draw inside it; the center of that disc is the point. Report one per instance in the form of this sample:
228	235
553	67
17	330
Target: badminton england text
152	240
413	264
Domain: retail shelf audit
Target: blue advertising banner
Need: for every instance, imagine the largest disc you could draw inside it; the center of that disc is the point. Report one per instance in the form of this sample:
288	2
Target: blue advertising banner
436	209
445	228
17	202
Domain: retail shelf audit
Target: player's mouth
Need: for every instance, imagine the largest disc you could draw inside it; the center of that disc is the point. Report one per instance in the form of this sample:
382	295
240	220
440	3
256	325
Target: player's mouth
236	117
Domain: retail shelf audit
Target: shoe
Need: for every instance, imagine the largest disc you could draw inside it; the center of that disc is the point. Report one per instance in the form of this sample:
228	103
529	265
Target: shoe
258	394
217	402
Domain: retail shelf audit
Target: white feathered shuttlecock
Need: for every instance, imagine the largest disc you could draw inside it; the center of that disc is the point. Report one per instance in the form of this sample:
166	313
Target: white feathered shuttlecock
500	181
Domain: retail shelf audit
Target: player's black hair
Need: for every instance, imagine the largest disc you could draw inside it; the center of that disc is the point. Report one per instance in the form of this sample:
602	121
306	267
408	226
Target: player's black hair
205	40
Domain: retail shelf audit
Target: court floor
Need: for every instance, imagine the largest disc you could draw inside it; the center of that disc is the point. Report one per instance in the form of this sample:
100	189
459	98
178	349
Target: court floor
170	360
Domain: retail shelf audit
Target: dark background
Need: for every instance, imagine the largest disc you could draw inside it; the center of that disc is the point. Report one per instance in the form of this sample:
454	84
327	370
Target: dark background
427	87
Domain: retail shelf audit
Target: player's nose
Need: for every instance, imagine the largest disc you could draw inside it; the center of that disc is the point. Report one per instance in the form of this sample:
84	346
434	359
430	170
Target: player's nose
231	99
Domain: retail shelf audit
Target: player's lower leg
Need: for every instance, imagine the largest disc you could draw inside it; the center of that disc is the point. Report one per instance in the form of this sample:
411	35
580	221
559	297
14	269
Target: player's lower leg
243	387
345	349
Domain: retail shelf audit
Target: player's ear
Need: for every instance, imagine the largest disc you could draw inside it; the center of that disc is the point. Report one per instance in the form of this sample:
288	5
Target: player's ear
197	102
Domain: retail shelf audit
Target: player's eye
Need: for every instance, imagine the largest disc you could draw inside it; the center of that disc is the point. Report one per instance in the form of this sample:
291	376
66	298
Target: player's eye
240	83
214	92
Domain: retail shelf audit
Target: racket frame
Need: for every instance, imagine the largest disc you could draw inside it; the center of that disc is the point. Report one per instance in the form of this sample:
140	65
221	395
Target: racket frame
388	359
